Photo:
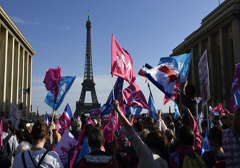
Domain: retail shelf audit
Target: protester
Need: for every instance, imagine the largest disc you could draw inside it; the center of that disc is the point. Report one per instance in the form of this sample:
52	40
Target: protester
231	142
190	142
12	141
215	158
97	157
149	153
76	128
38	155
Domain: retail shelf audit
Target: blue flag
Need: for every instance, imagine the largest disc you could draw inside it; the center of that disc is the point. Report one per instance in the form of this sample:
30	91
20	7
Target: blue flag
107	107
65	84
85	150
206	145
46	119
132	110
68	111
177	113
152	107
180	62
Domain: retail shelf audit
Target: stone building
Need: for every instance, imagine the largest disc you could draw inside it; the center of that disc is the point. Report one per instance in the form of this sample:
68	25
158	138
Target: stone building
219	34
15	68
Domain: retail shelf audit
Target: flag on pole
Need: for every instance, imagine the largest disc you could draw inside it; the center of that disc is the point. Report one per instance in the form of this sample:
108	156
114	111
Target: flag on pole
1	132
206	145
177	113
235	93
180	62
153	109
201	117
122	64
63	123
219	108
52	80
65	84
85	150
46	119
132	111
163	78
68	111
135	97
64	145
107	107
174	95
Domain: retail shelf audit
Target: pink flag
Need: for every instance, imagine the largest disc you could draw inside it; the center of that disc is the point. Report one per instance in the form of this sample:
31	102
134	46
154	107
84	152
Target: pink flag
52	80
135	97
174	95
74	150
63	123
1	132
235	93
219	108
113	122
122	64
66	143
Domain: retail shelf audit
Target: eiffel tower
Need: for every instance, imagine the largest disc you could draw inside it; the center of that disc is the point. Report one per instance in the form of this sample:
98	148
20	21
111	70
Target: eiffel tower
88	82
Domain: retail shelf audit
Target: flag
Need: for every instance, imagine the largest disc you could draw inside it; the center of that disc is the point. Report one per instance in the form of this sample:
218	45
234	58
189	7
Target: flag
180	62
206	145
52	80
235	93
95	113
113	122
122	64
63	123
66	143
132	111
174	95
14	116
107	107
65	84
199	100
46	119
68	111
153	109
201	117
135	97
163	77
1	132
218	108
177	113
85	150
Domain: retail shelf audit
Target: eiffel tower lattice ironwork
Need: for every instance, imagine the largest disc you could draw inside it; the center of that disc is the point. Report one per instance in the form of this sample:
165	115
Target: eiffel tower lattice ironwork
88	84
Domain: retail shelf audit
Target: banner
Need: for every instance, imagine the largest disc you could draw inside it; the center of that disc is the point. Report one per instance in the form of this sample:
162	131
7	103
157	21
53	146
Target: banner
63	123
64	145
204	77
14	116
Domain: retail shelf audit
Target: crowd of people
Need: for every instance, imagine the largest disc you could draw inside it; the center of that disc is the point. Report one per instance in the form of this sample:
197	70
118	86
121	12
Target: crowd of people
143	143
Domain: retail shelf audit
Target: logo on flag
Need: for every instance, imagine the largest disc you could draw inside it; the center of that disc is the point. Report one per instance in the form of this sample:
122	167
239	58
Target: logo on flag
65	84
63	123
122	64
135	97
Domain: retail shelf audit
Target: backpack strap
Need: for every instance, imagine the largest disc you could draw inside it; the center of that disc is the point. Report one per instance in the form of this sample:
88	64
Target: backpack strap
39	163
23	160
32	159
8	148
7	139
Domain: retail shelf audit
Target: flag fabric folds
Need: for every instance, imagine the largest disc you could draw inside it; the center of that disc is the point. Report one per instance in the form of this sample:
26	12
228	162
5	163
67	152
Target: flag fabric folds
64	145
122	64
85	150
163	78
132	111
107	107
63	123
46	119
180	62
235	93
177	113
65	84
52	80
135	97
219	108
68	111
153	109
174	95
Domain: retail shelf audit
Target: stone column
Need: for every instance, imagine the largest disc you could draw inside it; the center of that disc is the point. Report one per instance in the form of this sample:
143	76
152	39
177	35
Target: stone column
236	39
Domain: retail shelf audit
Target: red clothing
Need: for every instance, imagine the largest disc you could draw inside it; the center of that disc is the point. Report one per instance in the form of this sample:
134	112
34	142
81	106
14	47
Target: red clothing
99	159
176	158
